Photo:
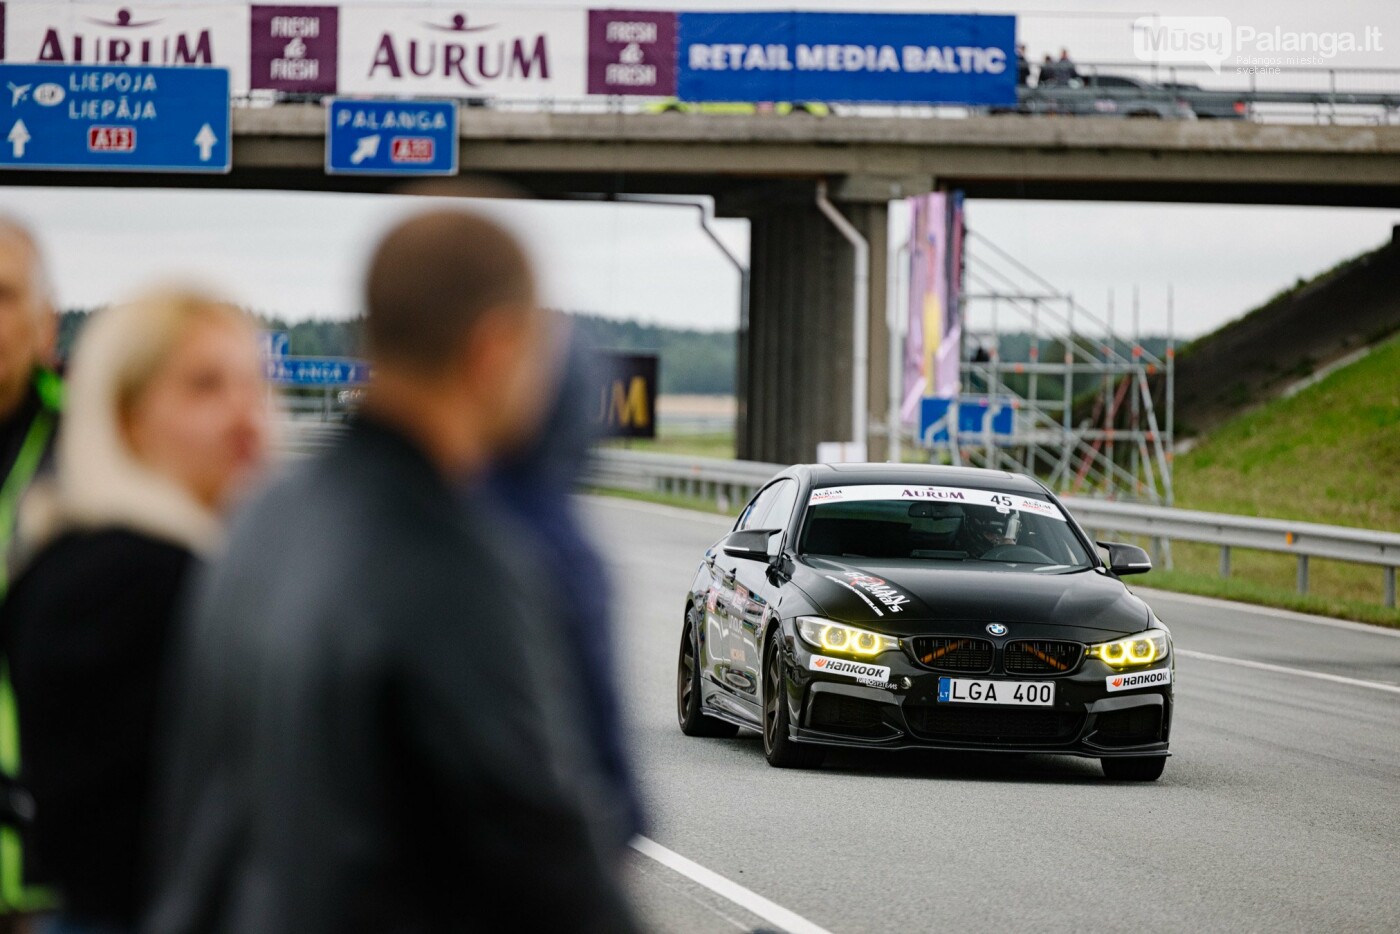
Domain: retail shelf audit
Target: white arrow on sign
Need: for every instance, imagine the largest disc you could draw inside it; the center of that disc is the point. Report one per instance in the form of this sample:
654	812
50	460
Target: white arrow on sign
205	140
19	135
366	149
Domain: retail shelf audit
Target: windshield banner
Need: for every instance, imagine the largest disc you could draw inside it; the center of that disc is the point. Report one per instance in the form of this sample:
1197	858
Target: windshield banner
929	58
1002	502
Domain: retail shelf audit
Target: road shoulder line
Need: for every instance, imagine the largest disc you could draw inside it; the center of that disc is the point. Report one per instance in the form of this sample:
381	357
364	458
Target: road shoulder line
1282	669
752	902
1268	611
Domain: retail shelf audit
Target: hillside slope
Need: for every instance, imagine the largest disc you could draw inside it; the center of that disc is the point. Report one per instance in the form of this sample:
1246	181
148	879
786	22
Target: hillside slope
1330	453
1254	358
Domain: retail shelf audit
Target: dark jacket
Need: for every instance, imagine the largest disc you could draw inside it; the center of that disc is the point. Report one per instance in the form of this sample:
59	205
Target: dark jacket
373	731
538	487
86	628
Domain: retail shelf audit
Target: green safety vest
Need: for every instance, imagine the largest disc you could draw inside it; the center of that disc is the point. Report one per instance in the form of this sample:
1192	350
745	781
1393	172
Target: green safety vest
14	894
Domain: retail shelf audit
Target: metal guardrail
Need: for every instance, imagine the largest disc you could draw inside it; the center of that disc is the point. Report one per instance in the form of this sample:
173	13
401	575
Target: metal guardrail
731	482
1303	540
734	482
725	481
1320	94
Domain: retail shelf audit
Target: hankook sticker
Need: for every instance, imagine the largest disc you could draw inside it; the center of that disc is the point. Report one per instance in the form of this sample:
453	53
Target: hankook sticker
1138	679
871	674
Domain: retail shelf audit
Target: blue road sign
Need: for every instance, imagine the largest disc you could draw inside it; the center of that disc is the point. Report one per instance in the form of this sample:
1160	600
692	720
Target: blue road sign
975	417
391	138
274	343
133	118
317	371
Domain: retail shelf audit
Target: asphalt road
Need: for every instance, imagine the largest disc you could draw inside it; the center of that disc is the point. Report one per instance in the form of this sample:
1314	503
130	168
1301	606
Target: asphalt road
1279	811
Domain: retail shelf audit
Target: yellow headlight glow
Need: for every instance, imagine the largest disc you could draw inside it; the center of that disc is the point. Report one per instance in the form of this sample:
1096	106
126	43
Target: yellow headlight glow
847	640
1141	649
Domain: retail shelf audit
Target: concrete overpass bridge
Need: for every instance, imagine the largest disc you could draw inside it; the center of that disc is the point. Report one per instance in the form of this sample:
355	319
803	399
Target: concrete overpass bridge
799	348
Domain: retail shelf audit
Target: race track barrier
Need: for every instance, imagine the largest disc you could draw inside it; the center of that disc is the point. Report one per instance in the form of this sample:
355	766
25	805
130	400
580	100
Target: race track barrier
731	482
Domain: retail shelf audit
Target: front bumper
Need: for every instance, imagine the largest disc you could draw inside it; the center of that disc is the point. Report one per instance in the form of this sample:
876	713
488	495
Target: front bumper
1086	719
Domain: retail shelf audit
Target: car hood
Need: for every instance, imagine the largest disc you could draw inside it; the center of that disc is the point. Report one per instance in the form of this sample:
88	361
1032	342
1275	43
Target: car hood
900	599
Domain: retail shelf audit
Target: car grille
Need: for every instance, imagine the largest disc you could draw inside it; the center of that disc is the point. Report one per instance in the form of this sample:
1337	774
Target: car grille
1039	656
993	724
952	653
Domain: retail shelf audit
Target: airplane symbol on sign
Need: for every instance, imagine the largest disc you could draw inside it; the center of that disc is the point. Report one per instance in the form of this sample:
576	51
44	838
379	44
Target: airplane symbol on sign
18	92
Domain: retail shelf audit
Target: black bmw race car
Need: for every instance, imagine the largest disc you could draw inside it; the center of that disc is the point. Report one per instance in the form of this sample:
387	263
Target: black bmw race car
889	606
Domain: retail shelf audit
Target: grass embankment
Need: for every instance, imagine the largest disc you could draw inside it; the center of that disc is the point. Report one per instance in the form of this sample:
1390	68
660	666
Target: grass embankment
1330	454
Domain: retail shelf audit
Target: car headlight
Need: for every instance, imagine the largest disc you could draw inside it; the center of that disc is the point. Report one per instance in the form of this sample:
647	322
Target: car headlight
848	640
1141	649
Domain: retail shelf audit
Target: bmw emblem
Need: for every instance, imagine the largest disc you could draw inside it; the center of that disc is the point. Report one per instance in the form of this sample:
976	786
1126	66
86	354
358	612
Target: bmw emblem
996	629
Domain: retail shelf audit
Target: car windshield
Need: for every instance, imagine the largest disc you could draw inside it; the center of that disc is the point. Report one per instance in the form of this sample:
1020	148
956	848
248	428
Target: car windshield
941	523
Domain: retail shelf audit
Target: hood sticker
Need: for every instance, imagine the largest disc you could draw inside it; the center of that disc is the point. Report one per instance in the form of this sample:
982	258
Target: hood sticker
946	494
873	608
894	600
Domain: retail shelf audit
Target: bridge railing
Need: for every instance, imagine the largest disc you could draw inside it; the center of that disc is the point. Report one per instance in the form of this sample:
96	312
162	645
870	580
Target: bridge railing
1293	93
730	483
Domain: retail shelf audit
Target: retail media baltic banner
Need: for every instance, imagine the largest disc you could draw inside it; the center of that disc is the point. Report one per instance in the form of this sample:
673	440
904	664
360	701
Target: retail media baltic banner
850	57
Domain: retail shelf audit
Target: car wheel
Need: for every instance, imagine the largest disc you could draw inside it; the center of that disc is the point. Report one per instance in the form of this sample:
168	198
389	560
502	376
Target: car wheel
692	721
1134	768
778	746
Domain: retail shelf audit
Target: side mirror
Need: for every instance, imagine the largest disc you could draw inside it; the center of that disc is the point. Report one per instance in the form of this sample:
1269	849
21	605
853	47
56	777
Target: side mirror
1126	559
753	544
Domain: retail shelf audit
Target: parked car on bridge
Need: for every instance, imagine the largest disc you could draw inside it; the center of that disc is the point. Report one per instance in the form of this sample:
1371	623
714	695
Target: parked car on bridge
783	108
1211	105
1098	95
886	606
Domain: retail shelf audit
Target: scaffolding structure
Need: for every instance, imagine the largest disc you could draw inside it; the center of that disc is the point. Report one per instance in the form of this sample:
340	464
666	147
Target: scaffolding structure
1091	410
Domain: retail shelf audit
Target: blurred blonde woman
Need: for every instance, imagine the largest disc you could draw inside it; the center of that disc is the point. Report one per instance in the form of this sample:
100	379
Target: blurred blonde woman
165	426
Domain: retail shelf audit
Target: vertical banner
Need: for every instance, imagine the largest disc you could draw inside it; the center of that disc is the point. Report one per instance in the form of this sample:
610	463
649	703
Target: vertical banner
932	352
294	48
131	34
497	52
632	52
947	380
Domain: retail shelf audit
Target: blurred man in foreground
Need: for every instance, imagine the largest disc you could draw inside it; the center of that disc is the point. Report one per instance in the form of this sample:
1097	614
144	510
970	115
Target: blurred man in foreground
30	396
372	726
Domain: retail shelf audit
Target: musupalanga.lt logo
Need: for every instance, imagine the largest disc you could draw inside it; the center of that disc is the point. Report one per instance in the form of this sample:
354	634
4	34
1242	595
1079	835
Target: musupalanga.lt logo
1210	40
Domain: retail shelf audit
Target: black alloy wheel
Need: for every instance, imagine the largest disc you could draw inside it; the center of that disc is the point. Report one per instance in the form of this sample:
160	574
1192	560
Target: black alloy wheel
692	721
778	747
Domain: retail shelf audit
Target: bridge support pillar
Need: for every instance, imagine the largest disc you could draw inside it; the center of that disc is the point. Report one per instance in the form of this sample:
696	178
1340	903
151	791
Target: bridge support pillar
796	346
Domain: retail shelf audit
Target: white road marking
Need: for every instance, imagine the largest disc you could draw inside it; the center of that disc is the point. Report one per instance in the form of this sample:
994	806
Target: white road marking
1301	672
788	921
1145	592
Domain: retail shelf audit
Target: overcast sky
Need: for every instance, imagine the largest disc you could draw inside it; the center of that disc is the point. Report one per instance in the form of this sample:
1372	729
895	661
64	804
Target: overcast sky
299	255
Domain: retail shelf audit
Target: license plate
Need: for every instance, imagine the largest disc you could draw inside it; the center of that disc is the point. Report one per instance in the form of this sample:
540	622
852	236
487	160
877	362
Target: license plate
977	691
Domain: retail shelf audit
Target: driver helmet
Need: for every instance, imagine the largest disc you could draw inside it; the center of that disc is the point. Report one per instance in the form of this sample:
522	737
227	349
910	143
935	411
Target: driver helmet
988	526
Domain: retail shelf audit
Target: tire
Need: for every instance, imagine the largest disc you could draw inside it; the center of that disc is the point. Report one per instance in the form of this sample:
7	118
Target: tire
778	747
688	714
1134	768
